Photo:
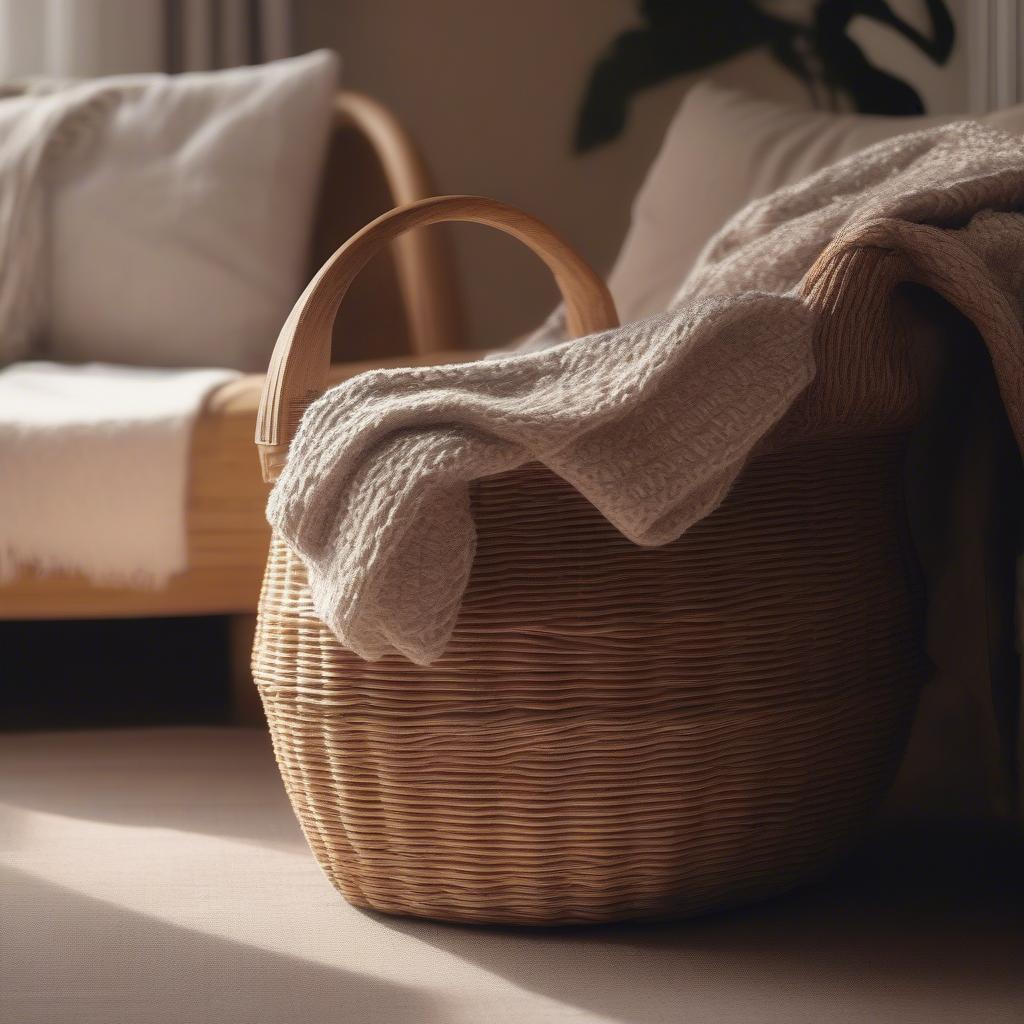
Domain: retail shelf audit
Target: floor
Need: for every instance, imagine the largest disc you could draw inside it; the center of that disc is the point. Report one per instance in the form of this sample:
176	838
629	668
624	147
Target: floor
158	876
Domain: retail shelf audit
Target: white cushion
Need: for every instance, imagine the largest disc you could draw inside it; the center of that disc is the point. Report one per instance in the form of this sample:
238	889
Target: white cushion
180	238
723	149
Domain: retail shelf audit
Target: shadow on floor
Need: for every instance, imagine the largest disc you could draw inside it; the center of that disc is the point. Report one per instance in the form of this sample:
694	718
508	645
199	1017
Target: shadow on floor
71	959
218	782
922	923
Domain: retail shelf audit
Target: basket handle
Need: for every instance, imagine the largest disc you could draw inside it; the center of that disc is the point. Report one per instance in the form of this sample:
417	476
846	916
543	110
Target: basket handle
302	355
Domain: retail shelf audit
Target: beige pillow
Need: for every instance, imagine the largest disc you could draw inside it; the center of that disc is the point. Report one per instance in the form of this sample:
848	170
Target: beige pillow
180	235
723	149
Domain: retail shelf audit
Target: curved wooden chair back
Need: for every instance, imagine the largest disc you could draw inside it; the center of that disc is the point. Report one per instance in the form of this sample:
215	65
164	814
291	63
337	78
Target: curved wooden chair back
406	301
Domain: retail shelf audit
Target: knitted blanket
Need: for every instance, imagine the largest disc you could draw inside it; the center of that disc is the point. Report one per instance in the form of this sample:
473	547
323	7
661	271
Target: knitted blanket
653	421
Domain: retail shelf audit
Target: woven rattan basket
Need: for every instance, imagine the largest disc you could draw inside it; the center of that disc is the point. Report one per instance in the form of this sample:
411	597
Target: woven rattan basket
614	732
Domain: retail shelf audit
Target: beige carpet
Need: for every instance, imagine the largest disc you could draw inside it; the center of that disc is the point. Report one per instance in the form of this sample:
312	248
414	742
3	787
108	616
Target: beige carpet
158	876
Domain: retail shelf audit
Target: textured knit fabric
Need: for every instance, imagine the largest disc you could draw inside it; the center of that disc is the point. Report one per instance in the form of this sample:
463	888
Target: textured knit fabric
653	421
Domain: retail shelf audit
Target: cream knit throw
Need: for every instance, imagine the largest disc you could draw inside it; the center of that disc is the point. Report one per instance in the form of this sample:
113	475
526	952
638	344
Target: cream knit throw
653	421
36	134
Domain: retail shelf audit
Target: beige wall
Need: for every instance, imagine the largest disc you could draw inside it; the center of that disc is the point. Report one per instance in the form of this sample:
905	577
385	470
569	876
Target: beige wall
490	90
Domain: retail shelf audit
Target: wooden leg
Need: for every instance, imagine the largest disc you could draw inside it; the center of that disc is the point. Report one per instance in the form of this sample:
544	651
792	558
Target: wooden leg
246	708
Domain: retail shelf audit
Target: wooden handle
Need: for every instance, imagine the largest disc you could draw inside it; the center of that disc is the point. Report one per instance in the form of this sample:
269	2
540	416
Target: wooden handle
302	355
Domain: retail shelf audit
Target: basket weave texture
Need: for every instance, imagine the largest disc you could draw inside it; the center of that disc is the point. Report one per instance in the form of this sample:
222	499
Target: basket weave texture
617	732
614	732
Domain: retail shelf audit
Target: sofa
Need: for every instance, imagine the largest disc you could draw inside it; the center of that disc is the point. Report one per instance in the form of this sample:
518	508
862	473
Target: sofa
403	307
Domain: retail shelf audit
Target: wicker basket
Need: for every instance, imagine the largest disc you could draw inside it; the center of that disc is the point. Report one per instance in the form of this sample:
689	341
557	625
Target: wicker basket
614	732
